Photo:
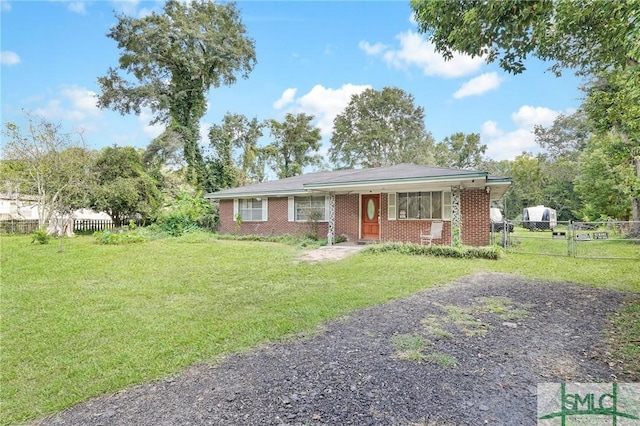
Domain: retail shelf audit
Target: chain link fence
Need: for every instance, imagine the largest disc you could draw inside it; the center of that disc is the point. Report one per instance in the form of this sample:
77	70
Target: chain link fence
593	240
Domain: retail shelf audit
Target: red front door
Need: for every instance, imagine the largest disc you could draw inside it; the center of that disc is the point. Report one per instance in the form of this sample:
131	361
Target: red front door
370	217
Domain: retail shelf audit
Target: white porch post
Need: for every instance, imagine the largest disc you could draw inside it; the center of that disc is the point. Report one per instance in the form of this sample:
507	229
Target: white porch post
332	219
456	214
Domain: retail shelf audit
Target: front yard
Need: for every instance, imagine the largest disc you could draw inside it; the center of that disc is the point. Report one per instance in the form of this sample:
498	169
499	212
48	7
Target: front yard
96	319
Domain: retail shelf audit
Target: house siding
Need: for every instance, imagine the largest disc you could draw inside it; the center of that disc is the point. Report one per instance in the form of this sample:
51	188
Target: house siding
474	205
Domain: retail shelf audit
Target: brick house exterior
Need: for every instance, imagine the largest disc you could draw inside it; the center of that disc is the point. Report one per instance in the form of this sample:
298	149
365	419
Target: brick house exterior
459	198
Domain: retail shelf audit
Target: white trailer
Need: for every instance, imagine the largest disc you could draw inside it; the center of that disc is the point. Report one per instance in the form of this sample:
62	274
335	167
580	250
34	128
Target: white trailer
539	218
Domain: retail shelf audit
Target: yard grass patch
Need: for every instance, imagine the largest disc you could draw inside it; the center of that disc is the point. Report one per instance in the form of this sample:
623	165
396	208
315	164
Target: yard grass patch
98	318
410	346
442	359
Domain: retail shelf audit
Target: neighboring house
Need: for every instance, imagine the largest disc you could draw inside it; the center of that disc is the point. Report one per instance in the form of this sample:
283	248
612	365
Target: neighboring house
393	203
88	214
18	207
25	207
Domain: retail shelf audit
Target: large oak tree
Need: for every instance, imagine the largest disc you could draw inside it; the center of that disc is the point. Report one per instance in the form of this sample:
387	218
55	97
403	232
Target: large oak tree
170	61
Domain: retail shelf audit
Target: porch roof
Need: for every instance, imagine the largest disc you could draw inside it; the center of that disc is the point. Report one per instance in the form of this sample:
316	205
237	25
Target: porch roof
400	177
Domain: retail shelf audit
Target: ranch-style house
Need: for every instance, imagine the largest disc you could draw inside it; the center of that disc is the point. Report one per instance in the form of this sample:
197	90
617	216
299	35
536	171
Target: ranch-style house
395	203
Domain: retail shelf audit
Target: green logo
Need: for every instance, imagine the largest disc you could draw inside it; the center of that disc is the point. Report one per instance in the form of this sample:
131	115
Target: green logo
599	401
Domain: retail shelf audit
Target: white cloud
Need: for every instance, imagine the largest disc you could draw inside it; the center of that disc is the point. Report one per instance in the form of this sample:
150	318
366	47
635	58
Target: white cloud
325	103
490	129
7	57
77	7
82	100
372	49
286	98
74	104
503	145
478	85
527	116
151	130
415	51
507	146
5	6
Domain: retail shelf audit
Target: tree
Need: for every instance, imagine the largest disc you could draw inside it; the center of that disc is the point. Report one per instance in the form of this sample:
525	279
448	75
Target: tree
124	188
612	105
598	38
240	134
165	151
224	174
460	151
589	36
176	57
528	182
295	146
566	138
563	144
380	128
602	180
48	163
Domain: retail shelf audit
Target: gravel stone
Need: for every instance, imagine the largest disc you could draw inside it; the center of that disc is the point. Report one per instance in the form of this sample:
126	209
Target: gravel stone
350	373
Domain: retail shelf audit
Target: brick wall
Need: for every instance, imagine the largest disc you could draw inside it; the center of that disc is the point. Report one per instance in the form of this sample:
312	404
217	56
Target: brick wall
278	222
474	204
347	216
408	231
476	223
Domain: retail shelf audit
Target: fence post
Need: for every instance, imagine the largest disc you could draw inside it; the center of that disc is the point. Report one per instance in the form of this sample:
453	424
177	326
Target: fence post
571	240
503	234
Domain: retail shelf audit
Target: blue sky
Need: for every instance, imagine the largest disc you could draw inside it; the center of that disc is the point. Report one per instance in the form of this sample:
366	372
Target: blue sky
312	56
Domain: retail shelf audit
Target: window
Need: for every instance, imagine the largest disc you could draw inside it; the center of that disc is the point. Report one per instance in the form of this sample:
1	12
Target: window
251	209
446	205
310	208
419	205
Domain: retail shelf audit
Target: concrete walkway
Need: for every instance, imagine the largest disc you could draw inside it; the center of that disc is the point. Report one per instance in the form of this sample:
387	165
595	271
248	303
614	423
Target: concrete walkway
335	252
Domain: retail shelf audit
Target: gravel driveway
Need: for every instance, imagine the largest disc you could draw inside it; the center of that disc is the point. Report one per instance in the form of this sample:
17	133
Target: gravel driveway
468	353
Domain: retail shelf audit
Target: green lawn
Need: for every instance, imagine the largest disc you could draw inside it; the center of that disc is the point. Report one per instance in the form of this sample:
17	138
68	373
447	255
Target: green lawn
95	319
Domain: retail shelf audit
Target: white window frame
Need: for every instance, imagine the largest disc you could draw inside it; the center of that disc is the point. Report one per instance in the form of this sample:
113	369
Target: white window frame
391	206
446	205
240	206
293	208
405	216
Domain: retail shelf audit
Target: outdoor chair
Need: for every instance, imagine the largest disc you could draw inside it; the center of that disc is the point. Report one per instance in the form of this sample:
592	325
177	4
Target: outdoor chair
435	233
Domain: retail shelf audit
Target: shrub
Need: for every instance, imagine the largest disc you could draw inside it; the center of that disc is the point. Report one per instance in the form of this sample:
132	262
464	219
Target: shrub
491	253
187	214
117	238
40	236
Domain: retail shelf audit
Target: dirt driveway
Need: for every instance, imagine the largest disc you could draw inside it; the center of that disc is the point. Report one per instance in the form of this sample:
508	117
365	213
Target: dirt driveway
468	353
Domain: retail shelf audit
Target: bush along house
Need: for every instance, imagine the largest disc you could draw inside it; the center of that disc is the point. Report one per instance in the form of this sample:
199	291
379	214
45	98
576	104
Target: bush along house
395	203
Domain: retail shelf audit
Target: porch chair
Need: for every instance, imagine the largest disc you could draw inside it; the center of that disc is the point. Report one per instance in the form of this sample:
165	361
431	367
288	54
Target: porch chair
435	233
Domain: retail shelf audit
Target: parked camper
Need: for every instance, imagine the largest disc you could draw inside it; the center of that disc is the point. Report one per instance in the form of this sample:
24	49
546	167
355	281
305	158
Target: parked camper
498	222
539	217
